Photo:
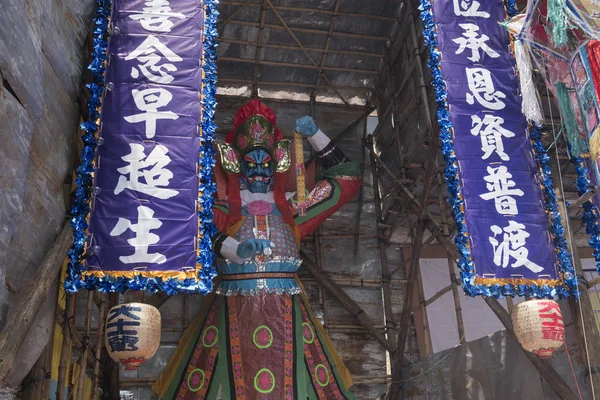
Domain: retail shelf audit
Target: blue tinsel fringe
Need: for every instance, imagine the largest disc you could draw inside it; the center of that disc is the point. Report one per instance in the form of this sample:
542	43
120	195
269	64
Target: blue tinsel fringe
591	213
80	210
454	187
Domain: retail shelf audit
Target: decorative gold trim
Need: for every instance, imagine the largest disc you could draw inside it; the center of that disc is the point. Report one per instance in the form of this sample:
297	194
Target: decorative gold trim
230	158
282	154
181	275
517	281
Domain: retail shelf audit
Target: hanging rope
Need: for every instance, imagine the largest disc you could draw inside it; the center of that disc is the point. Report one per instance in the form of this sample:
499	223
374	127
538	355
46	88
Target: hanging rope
572	369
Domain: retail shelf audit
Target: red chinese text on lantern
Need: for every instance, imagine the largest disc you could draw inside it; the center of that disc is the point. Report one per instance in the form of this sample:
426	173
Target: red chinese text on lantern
552	321
539	326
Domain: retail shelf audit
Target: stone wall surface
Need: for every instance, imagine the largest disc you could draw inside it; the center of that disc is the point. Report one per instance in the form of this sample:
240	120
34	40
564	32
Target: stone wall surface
42	56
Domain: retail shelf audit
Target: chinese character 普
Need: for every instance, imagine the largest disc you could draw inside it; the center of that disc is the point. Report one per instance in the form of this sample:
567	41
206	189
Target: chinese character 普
146	53
501	188
143	238
472	41
149	101
151	168
155	16
512	245
468	8
491	136
482	89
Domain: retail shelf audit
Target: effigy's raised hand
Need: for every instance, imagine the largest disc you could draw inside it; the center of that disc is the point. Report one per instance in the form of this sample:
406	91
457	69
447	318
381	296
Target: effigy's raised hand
251	247
306	126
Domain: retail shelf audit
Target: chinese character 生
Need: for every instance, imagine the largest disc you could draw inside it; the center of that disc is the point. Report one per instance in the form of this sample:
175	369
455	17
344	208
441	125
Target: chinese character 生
512	245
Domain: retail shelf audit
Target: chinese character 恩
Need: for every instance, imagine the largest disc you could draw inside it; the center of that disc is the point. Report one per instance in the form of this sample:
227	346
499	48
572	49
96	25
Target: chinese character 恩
143	238
155	17
472	41
468	8
149	101
146	53
151	168
491	136
482	89
513	243
553	327
500	187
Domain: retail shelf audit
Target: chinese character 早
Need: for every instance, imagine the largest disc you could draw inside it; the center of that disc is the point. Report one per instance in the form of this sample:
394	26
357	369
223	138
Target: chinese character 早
143	238
468	8
482	89
500	187
472	41
513	243
491	136
146	53
151	168
552	326
149	101
156	16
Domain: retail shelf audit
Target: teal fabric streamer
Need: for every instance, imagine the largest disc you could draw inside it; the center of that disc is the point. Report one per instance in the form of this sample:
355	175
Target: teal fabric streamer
557	16
578	144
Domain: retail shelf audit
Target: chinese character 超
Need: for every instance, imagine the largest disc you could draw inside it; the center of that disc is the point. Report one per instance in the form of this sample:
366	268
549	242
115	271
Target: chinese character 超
151	168
150	100
146	53
513	245
143	238
553	328
472	41
500	188
468	8
491	136
155	17
482	88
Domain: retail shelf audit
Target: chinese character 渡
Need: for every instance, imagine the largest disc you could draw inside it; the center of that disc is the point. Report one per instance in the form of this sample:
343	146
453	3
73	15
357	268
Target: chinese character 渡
512	245
482	89
150	100
501	188
143	238
155	17
491	136
468	8
151	168
553	327
146	53
472	41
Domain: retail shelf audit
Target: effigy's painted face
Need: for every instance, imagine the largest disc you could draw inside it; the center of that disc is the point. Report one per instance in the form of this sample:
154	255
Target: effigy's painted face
257	171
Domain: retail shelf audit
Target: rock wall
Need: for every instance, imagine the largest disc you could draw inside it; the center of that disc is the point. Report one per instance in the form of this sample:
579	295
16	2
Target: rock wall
42	56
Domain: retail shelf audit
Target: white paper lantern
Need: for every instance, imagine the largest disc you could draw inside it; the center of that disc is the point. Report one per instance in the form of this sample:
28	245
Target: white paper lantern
132	333
539	326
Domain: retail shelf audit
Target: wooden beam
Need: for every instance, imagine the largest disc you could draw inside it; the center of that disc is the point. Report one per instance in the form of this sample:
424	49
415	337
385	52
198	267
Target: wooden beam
350	305
21	320
296	48
290	84
294	65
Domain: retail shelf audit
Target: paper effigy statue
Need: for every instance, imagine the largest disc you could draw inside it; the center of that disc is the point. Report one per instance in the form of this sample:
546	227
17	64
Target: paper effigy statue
256	337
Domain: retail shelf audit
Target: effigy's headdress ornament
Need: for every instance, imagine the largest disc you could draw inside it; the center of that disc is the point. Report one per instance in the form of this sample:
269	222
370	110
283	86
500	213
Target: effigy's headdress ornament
254	126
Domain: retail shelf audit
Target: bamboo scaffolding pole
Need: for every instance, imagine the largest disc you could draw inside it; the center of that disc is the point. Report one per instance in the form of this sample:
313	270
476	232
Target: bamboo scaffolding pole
99	342
110	373
69	314
258	48
361	193
86	349
334	17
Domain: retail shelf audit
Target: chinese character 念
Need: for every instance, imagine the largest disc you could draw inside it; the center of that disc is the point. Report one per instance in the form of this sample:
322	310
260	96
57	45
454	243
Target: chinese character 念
491	136
501	188
146	53
472	41
468	8
150	100
552	327
151	168
512	245
482	88
143	238
156	16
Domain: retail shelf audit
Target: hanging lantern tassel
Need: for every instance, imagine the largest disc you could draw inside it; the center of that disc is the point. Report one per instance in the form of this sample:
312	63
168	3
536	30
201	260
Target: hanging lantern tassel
531	105
132	333
300	175
539	327
576	140
557	15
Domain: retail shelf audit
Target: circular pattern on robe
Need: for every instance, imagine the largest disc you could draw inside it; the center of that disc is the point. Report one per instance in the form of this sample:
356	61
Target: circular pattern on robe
264	381
322	375
308	333
210	336
262	337
195	380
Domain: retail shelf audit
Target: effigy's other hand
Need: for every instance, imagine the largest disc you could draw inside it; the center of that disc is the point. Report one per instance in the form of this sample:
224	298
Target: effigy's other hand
251	247
306	126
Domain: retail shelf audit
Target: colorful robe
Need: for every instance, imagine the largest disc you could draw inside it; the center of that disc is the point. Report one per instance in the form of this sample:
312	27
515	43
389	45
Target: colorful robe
256	337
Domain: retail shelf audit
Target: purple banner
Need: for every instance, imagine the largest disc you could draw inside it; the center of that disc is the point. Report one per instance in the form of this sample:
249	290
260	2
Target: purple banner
509	230
144	209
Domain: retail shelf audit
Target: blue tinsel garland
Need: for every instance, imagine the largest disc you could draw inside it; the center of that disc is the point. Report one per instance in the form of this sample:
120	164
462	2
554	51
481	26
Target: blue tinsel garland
591	213
456	201
84	180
